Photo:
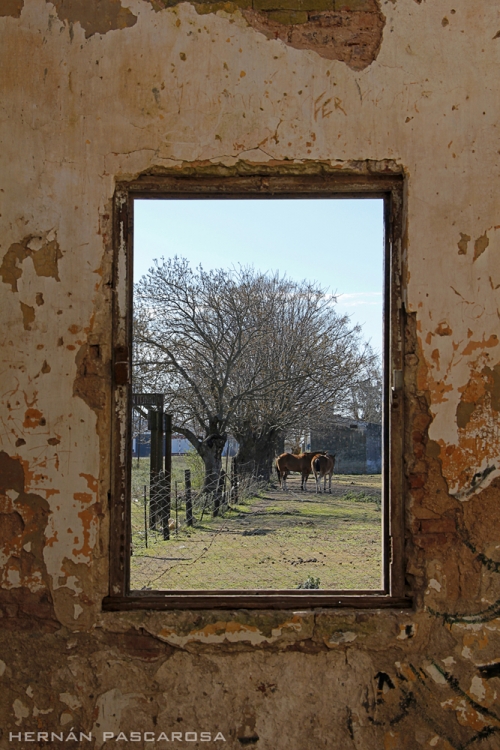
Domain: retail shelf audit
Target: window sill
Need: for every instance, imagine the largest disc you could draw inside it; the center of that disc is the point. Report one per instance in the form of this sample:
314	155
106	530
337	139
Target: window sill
156	600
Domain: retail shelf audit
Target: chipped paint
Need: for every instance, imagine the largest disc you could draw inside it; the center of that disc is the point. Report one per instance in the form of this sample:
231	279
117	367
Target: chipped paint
102	92
99	18
230	632
42	249
350	36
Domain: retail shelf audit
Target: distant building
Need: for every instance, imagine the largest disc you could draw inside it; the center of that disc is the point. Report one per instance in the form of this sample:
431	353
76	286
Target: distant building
357	445
141	445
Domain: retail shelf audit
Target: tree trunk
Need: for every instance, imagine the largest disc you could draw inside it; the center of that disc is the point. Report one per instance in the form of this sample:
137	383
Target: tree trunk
210	451
257	452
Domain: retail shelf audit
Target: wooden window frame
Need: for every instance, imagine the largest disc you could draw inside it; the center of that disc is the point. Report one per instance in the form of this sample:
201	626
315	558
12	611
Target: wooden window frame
268	183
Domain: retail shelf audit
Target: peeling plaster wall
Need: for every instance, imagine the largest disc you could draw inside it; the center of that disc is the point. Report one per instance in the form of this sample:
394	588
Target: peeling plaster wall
92	93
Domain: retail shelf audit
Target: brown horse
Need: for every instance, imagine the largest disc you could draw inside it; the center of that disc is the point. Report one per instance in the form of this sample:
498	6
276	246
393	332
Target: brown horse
322	467
288	462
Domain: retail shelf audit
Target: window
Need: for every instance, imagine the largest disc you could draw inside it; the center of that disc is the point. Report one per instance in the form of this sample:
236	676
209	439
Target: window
258	353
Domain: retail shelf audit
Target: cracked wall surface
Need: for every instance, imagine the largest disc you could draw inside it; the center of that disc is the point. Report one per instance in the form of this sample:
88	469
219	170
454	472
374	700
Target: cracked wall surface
95	93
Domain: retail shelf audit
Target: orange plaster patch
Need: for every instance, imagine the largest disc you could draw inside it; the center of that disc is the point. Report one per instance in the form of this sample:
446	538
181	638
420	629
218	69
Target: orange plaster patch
166	632
92	483
458	461
83	497
480	639
473	345
407	672
444	329
469	717
89	520
32	418
219	627
49	493
438	389
474	390
50	542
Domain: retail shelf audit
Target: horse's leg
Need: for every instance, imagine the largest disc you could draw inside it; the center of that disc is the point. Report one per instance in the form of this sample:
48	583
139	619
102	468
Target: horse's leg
330	485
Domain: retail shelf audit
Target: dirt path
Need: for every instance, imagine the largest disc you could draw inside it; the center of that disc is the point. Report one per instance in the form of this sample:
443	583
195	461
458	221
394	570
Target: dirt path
276	541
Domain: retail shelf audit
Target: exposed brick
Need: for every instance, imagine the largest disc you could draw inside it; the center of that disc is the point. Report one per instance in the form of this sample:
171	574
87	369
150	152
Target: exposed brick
352	37
289	17
297	5
204	8
369	5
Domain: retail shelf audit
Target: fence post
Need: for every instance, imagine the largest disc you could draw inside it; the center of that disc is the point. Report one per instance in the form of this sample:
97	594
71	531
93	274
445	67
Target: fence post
164	498
167	489
145	517
176	511
189	501
155	467
216	508
222	488
234	481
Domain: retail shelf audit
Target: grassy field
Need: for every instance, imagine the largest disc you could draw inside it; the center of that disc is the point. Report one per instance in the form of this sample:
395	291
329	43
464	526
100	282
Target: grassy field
270	540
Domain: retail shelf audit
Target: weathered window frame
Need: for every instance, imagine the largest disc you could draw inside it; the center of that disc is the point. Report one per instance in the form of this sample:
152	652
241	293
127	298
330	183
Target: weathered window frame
270	183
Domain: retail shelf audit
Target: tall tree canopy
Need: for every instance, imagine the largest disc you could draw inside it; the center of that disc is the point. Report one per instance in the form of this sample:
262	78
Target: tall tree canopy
239	351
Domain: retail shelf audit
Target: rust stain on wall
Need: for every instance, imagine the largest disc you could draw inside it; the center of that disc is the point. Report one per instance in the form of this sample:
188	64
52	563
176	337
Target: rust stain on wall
45	260
468	463
25	596
10	270
484	344
11	8
89	381
464	413
480	245
28	314
32	418
95	17
462	244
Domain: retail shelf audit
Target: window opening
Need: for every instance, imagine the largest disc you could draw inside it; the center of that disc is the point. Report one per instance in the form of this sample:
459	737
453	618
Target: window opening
259	433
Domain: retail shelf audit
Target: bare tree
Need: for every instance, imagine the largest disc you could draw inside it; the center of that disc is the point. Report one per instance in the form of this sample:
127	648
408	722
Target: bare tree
194	334
241	351
365	398
317	357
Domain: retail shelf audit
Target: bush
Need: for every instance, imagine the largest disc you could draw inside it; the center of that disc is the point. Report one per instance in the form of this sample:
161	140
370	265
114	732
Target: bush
309	583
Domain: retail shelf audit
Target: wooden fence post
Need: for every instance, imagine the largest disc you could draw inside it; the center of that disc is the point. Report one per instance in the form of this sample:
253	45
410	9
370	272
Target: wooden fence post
189	501
154	469
234	482
164	496
167	489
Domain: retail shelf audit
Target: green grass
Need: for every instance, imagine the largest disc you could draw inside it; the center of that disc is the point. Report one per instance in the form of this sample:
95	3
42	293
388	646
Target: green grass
271	540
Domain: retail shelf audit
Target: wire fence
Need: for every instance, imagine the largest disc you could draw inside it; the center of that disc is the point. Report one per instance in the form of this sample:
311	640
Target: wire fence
249	534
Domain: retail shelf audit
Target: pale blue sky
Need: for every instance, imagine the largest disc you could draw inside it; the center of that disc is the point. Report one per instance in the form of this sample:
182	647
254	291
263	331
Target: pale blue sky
338	243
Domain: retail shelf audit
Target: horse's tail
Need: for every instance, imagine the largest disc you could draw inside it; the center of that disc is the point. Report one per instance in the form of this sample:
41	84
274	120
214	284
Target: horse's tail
278	472
317	464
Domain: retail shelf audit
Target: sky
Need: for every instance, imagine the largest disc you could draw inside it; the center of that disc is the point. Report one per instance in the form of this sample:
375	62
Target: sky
335	242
